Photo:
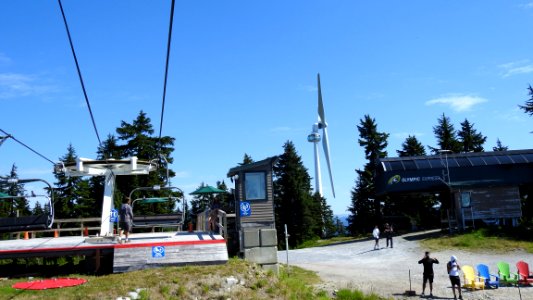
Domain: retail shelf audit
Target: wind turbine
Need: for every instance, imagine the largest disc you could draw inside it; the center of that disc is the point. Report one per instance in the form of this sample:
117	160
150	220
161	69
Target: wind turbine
314	137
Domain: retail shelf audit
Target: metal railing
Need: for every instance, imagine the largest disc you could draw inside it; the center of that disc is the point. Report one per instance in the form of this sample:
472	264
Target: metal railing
202	222
82	226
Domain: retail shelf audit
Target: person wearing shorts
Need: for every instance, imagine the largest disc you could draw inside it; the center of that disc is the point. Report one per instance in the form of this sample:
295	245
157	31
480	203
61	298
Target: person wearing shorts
453	271
428	275
126	218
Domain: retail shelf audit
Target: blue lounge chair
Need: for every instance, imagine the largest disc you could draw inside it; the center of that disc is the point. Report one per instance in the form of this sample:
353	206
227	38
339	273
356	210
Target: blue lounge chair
491	280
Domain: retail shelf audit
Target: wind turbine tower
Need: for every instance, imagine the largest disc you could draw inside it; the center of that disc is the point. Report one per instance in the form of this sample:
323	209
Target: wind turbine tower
315	137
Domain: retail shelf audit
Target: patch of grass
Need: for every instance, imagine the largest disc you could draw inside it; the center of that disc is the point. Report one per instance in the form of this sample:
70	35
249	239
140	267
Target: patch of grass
481	239
356	295
325	242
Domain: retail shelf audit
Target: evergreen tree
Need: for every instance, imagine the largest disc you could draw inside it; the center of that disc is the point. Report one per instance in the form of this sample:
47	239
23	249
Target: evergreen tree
326	227
470	139
38	209
499	146
138	142
293	202
246	160
365	207
340	230
66	188
528	106
411	147
18	204
362	209
446	136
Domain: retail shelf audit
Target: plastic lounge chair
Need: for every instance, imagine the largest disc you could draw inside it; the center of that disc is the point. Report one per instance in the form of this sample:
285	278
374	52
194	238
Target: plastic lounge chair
472	281
491	280
524	276
505	274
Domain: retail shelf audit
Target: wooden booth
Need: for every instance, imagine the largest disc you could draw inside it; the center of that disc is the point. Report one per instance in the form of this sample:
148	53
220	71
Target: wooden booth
255	221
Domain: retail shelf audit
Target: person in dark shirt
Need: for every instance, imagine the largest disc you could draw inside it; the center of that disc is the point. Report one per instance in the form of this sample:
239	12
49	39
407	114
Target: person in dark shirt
126	218
428	272
388	234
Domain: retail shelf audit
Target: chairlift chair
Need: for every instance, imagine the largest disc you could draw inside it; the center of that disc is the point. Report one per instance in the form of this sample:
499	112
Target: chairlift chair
25	223
160	220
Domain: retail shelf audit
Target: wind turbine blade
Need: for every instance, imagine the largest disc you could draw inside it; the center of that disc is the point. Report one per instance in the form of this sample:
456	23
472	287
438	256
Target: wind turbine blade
325	143
321	117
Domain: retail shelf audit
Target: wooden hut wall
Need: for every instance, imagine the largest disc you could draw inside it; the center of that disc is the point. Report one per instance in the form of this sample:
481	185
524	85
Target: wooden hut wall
262	210
493	202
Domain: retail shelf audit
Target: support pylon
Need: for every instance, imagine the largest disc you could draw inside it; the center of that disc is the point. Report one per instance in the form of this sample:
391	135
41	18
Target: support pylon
26	235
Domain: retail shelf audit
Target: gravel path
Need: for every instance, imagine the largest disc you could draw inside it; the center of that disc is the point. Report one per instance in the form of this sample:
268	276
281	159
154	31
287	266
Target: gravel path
386	271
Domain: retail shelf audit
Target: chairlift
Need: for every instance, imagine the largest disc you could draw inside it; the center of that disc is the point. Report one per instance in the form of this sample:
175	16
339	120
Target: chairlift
24	223
159	220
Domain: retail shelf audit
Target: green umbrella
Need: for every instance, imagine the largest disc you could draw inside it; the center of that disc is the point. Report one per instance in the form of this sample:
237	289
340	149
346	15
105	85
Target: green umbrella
207	190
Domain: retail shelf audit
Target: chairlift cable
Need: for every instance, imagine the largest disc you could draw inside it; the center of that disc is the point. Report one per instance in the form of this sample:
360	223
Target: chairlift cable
29	148
166	69
79	73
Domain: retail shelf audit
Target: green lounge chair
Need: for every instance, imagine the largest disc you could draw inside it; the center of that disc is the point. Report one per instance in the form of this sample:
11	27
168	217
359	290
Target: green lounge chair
506	277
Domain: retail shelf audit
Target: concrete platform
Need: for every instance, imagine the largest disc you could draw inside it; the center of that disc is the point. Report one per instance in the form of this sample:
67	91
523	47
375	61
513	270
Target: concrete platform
145	250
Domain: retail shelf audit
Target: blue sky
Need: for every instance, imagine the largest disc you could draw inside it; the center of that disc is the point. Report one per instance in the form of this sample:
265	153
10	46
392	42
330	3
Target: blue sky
242	77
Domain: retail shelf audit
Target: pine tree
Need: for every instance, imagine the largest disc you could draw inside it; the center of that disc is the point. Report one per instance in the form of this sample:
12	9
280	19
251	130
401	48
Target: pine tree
293	202
18	204
65	188
411	147
246	160
138	142
365	207
446	136
470	139
499	146
528	106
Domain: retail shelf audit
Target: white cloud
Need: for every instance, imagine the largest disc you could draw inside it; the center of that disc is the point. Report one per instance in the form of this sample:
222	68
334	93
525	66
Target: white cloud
516	68
20	85
458	103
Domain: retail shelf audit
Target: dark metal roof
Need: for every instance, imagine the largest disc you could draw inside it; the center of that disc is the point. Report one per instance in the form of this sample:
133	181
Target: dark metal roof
268	161
457	160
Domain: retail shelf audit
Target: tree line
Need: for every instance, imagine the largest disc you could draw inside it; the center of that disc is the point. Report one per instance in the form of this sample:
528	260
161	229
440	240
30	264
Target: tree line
306	214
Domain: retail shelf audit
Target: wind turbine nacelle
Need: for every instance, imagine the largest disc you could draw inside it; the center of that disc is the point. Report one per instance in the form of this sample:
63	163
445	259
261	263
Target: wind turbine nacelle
313	137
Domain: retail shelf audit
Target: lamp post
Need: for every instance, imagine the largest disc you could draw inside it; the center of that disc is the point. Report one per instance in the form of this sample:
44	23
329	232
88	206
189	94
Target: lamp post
446	180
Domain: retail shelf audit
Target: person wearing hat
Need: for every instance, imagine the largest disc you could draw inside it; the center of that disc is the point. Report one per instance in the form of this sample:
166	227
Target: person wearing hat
453	271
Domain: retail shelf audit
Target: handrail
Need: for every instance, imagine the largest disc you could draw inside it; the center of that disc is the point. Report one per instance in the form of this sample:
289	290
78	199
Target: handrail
202	222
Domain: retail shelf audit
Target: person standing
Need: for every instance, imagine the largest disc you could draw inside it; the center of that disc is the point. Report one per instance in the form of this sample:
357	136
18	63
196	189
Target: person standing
375	234
126	217
388	234
453	271
428	262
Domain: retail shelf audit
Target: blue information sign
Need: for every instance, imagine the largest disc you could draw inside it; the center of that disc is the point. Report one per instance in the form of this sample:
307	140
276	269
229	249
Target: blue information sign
114	216
246	209
158	251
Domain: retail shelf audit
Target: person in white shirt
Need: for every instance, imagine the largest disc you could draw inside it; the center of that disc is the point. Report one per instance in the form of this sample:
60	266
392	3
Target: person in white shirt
453	271
375	234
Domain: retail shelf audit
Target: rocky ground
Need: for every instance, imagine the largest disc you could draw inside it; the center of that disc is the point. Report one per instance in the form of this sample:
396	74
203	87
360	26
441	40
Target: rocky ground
386	271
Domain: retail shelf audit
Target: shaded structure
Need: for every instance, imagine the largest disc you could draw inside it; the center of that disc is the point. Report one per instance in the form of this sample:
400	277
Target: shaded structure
255	220
472	186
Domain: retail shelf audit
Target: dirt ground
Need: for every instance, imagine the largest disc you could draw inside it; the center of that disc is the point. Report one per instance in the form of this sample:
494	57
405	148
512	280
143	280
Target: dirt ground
386	271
